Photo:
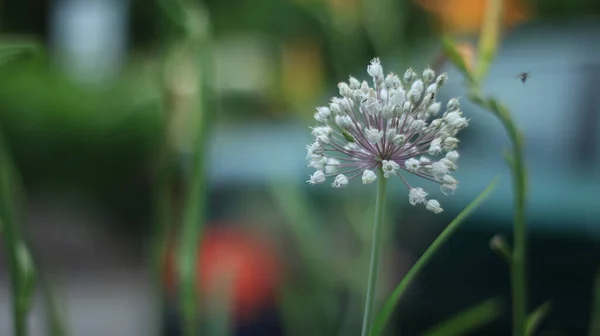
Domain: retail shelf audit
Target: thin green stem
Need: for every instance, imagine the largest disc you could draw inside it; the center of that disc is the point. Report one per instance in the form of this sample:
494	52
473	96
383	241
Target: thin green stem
519	174
386	312
519	259
12	240
375	251
194	215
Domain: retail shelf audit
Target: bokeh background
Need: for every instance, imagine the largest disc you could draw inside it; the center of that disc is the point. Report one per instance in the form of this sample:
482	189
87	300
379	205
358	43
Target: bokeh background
86	117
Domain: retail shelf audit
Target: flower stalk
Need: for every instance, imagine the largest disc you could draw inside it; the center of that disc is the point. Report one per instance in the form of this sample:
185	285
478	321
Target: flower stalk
375	256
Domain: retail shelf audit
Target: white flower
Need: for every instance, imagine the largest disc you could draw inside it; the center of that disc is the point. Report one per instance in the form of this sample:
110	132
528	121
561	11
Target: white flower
434	108
343	121
409	76
345	90
373	134
331	166
453	104
390	126
323	139
449	184
340	181
317	177
318	163
322	114
398	140
375	70
392	82
435	147
428	75
417	125
439	169
450	143
455	120
416	195
397	97
368	177
452	156
441	80
424	161
416	90
407	106
451	165
354	83
412	165
433	206
389	167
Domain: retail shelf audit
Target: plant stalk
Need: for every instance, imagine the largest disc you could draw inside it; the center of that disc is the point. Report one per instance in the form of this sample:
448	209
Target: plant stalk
375	252
519	265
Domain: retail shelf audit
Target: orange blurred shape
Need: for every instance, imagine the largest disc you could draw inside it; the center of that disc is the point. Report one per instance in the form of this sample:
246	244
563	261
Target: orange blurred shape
466	16
249	262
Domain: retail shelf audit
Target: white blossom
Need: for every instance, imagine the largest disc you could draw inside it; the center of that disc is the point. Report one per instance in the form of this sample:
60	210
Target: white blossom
340	181
412	165
417	195
317	178
368	177
322	114
389	167
373	134
354	84
433	206
375	70
343	121
452	156
386	129
428	75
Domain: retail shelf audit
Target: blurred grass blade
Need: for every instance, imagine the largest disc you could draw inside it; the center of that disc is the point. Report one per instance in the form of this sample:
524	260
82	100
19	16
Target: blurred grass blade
302	222
488	40
451	51
27	277
17	263
200	100
469	320
12	50
534	319
595	316
389	306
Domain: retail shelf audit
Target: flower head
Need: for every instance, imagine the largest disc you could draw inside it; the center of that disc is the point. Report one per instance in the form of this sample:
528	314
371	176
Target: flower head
389	128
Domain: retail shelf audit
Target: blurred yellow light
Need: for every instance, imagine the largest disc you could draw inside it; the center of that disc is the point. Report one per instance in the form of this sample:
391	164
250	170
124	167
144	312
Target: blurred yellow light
302	73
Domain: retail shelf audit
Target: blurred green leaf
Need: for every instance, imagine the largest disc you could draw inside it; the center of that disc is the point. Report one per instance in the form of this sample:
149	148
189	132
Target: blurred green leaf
27	277
451	51
488	40
535	318
389	306
384	21
11	50
469	320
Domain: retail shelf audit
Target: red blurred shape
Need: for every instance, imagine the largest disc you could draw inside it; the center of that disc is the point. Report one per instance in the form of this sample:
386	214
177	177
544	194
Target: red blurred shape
246	260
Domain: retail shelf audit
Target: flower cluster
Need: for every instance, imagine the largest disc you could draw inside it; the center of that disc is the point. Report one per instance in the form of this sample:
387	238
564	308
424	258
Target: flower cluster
383	130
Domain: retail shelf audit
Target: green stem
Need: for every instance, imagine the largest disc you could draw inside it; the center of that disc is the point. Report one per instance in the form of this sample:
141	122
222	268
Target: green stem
375	251
394	298
12	239
194	215
519	174
518	273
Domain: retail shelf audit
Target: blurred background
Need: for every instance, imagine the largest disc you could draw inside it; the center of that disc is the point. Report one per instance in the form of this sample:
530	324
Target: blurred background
88	117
